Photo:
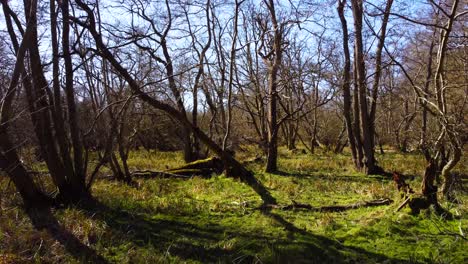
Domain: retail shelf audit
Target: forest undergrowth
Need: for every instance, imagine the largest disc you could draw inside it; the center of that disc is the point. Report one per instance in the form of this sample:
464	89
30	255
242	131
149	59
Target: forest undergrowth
220	220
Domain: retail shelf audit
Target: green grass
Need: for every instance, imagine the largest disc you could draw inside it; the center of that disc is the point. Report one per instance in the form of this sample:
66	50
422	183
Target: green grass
217	220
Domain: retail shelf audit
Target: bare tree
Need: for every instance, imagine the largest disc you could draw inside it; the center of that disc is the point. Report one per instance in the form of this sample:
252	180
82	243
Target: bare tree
366	115
271	50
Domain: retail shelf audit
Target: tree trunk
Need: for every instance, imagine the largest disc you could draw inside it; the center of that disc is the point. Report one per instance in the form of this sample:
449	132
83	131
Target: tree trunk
9	160
357	121
314	123
189	154
346	85
366	123
272	144
31	195
378	71
446	174
272	116
272	154
429	190
115	167
57	113
76	178
39	108
423	143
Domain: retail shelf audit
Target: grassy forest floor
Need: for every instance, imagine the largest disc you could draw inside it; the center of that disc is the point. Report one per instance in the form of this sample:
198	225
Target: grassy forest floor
217	220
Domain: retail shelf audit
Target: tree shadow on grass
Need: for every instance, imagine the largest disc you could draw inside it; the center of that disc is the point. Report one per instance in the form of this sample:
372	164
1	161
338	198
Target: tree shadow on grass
44	219
167	236
209	241
325	250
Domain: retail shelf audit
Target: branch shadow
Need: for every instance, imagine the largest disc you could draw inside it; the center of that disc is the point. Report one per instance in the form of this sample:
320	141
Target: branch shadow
44	219
303	175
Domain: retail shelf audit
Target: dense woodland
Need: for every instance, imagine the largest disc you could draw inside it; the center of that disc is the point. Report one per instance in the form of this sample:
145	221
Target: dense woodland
196	89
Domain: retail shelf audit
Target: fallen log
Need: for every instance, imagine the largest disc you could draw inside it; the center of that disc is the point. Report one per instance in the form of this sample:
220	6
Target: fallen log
331	208
204	168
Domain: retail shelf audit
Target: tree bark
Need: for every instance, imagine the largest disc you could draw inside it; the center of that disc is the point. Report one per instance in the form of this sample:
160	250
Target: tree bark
346	85
357	121
429	190
77	176
272	116
369	161
57	112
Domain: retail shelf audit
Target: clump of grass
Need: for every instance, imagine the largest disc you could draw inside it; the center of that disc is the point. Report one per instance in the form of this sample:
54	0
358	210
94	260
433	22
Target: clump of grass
155	160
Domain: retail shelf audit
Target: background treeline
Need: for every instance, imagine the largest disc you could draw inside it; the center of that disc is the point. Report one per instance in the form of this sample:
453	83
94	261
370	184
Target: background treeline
85	82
